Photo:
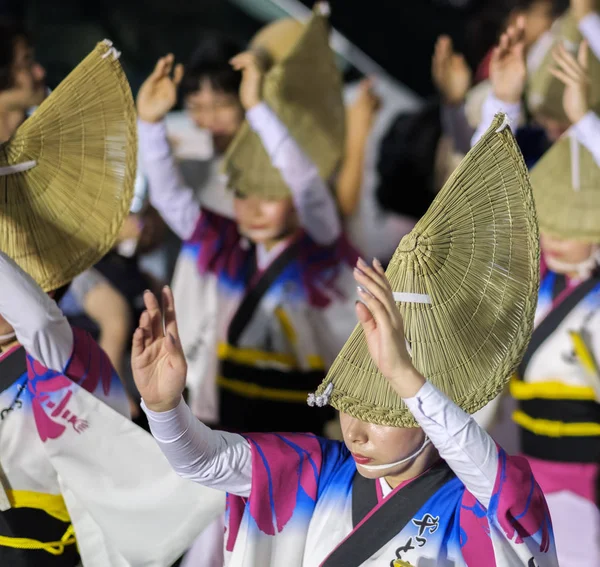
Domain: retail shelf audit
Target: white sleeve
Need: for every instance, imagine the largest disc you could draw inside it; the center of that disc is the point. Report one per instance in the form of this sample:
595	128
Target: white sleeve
590	29
313	200
490	108
39	324
215	459
587	133
176	203
469	451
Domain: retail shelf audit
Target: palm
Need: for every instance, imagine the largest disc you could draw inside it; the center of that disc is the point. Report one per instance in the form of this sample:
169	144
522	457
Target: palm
157	359
508	69
158	373
158	94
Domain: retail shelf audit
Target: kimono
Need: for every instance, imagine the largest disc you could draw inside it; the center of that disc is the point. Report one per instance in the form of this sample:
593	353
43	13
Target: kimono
298	500
36	527
273	332
557	389
78	480
259	328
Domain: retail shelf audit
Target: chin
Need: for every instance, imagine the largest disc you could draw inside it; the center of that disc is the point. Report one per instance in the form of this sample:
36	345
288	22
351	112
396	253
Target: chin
261	236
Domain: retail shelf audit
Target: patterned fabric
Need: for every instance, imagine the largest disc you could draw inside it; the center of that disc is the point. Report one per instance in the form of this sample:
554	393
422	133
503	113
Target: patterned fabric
299	510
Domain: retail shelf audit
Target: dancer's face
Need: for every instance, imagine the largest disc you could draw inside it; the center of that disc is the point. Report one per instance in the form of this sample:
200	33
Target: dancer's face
372	444
265	221
557	250
216	111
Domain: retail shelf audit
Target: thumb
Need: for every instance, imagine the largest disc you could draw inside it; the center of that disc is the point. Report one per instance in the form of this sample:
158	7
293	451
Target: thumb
582	55
365	317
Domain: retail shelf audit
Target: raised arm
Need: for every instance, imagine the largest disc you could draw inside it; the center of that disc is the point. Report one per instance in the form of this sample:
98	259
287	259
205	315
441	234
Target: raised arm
314	203
508	73
39	324
452	77
213	458
573	72
467	448
588	20
175	202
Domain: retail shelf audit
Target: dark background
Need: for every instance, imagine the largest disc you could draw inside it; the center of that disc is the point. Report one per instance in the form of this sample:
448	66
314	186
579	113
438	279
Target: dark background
398	34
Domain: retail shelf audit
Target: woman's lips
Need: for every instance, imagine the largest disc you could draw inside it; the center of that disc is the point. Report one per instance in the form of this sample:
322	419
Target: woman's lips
361	460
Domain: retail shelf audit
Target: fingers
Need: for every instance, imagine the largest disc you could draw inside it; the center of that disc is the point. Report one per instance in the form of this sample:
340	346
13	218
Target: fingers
583	55
244	60
160	69
153	309
365	318
374	283
563	77
146	328
169	314
137	343
178	74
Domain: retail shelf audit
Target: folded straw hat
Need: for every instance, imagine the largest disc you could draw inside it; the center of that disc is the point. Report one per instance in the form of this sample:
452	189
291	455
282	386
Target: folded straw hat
466	281
67	175
544	91
566	188
304	89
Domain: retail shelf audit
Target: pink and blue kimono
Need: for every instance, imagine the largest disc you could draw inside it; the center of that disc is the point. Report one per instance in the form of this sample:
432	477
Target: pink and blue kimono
309	506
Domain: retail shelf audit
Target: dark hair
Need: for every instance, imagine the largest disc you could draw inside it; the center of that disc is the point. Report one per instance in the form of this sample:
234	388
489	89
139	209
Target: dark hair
406	164
10	33
210	61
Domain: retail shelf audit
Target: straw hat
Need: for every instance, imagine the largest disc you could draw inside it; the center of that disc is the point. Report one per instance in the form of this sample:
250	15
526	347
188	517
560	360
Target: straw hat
67	174
278	38
544	90
466	281
566	187
304	89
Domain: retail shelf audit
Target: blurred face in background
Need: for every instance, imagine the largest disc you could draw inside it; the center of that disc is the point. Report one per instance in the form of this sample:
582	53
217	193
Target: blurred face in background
217	111
265	221
558	252
539	17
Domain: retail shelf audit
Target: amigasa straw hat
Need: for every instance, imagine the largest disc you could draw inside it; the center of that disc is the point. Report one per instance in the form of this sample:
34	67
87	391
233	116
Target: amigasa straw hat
68	172
566	187
544	91
466	281
304	89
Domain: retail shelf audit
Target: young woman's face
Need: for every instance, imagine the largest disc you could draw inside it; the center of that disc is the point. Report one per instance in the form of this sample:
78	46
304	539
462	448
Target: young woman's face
264	221
216	111
560	251
28	75
372	444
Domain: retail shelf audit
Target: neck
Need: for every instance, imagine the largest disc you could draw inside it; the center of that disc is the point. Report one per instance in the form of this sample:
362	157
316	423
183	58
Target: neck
270	244
417	467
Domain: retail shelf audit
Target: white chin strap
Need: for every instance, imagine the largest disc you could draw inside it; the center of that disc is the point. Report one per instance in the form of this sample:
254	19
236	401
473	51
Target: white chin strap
582	269
7	337
397	463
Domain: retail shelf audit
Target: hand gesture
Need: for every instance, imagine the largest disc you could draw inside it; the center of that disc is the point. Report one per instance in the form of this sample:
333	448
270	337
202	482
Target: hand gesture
157	359
362	112
249	64
508	69
450	72
384	329
581	8
158	94
574	74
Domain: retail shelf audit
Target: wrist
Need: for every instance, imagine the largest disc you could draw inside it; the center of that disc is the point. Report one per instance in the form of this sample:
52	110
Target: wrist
163	406
150	118
407	381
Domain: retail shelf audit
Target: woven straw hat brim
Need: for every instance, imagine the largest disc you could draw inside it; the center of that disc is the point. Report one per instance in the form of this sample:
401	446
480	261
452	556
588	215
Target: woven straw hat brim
305	92
475	253
544	91
568	199
63	215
